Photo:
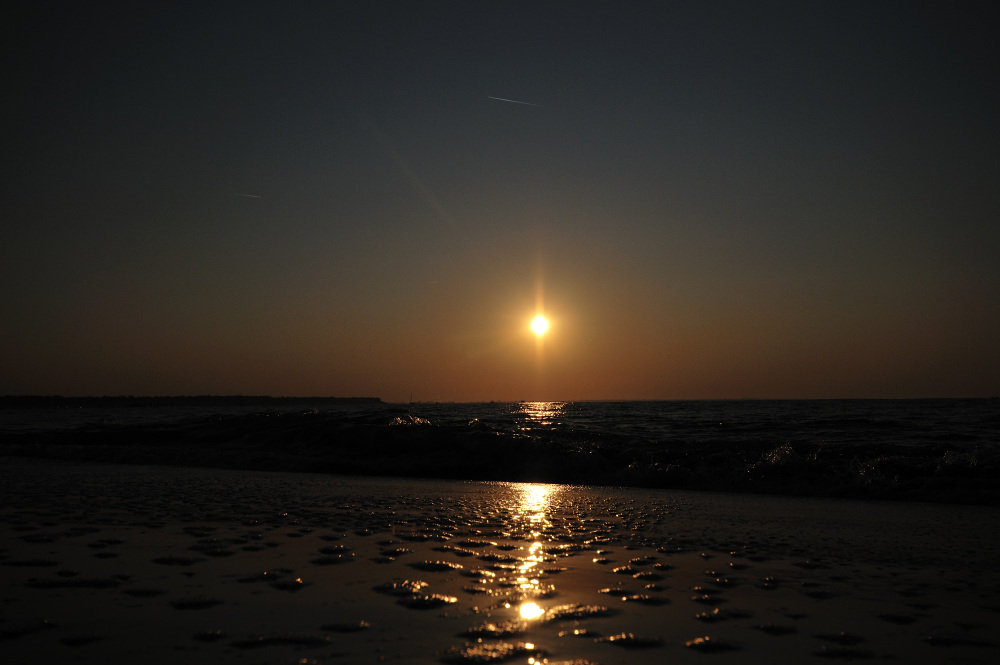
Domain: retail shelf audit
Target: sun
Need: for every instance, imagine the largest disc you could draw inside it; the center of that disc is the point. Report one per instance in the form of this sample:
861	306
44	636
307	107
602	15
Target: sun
540	324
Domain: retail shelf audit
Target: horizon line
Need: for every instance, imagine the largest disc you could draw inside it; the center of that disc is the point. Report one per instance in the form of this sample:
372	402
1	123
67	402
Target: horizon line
357	398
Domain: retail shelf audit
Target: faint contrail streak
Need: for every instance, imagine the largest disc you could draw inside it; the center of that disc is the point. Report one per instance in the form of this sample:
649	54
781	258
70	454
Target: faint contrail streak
249	196
514	101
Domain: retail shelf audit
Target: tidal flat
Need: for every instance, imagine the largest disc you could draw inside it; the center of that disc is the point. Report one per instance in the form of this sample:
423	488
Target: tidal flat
105	563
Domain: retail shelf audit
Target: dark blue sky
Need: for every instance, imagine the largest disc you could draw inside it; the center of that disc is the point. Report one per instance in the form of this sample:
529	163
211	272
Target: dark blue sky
729	199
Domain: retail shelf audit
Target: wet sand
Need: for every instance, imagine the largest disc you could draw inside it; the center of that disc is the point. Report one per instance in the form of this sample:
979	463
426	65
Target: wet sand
146	564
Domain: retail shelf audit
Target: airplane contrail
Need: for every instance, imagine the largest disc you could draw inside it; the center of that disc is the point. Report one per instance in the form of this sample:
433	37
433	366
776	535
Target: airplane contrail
249	196
514	101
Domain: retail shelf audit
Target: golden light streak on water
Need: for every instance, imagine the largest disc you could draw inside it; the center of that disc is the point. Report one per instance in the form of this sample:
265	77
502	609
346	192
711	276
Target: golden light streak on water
531	611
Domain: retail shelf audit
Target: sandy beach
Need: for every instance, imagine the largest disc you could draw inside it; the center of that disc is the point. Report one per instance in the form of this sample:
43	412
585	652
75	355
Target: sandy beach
147	564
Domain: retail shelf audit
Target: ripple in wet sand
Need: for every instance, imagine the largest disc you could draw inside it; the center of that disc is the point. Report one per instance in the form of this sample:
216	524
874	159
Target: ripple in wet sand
144	593
953	638
457	551
198	603
30	563
575	611
395	552
644	599
302	641
498	630
426	602
355	627
332	560
264	576
769	584
290	585
80	640
491	652
631	641
707	644
776	629
401	587
74	583
899	619
718	614
843	639
846	653
177	561
20	629
435	566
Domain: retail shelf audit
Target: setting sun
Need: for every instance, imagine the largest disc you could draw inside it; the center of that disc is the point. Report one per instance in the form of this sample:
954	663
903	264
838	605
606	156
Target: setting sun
540	324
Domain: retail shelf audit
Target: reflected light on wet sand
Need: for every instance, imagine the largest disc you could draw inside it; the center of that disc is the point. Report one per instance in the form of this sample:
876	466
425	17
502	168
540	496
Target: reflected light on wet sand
527	575
531	611
534	501
532	509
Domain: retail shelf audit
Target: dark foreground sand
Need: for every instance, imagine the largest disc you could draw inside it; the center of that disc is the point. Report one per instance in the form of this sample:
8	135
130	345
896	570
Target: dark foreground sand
127	564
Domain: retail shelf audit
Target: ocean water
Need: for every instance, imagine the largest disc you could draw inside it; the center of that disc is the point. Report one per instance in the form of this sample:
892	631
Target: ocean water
945	450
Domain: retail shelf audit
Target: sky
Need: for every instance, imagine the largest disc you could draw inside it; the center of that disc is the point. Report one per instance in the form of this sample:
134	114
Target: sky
707	200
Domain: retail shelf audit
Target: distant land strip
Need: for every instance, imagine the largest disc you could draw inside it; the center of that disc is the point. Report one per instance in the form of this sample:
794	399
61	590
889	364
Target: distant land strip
119	401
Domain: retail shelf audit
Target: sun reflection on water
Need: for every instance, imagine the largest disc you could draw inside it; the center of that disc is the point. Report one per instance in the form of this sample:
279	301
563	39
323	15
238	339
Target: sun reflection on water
523	576
528	571
533	508
531	611
533	511
540	414
534	501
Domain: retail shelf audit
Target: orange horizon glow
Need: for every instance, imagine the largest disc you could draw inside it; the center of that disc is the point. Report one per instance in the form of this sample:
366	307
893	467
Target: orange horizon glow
395	232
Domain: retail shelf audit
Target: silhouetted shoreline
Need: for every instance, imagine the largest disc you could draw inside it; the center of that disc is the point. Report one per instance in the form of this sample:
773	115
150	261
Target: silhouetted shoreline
124	401
939	451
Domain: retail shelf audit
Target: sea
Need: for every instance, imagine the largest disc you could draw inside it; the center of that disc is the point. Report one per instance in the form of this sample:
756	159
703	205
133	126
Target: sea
937	450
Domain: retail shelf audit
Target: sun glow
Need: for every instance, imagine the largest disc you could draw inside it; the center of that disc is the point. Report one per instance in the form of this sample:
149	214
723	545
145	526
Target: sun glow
539	325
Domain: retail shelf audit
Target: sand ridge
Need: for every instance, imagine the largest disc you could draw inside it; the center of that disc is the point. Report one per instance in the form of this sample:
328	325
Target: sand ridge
106	563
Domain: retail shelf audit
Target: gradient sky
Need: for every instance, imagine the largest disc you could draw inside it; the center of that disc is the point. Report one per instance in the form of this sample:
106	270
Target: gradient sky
708	200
